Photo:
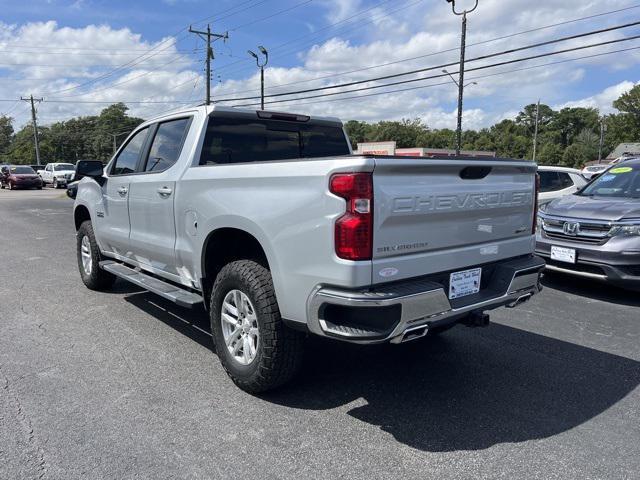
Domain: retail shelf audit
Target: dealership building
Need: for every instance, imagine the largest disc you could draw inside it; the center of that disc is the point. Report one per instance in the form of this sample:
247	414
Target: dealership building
389	148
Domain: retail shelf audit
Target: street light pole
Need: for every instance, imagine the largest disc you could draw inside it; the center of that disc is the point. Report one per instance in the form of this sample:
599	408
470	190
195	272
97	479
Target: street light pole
261	66
463	39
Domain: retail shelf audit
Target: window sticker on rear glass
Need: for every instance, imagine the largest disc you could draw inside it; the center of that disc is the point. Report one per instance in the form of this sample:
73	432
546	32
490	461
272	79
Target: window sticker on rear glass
621	170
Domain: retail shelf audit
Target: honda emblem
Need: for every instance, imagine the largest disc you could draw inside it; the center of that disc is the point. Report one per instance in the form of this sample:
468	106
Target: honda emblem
571	228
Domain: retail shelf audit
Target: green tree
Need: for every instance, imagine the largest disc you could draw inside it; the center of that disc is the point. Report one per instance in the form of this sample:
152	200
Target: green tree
527	117
550	154
6	134
358	132
576	155
629	102
405	133
569	122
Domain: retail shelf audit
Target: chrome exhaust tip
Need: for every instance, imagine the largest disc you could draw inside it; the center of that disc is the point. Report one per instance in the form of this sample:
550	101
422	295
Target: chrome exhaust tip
521	299
414	334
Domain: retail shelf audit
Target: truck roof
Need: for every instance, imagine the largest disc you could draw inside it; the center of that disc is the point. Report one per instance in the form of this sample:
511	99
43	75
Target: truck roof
231	111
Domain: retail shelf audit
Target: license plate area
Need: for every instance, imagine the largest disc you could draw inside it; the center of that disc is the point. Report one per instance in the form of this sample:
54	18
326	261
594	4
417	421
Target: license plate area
563	254
465	282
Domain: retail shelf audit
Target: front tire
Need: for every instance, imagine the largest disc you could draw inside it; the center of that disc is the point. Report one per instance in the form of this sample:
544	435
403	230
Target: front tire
89	258
256	349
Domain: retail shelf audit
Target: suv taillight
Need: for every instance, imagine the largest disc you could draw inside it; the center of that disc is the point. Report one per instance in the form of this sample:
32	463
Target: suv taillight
354	229
535	203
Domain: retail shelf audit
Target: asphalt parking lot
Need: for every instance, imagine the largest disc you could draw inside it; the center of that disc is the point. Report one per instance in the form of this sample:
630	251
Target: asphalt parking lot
125	385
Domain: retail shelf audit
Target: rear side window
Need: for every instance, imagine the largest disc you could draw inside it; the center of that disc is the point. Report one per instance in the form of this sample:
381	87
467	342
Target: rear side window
258	140
128	158
565	180
554	181
167	145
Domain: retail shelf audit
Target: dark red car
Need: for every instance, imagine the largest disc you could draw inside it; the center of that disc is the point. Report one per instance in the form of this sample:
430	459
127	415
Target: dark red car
19	176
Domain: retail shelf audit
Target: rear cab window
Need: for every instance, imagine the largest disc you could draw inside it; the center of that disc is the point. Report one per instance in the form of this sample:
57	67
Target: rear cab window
243	140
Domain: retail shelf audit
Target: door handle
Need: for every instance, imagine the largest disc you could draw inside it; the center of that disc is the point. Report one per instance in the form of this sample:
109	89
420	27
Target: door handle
123	191
165	191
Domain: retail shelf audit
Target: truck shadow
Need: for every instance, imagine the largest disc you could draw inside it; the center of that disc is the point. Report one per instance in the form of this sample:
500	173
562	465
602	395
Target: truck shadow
591	289
467	390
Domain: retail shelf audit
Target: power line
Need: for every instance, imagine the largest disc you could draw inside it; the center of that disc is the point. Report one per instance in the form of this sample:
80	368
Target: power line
132	62
128	80
371	67
477	77
506	62
444	65
129	64
350	28
312	33
253	22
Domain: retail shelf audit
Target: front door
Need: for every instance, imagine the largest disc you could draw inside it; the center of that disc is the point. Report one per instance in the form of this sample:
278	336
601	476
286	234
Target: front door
151	198
113	223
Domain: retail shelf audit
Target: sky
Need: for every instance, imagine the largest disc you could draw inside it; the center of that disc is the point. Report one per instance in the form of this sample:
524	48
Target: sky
81	55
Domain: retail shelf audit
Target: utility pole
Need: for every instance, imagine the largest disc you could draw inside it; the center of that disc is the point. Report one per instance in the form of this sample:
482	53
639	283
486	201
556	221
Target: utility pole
261	67
535	133
603	129
207	36
35	123
463	39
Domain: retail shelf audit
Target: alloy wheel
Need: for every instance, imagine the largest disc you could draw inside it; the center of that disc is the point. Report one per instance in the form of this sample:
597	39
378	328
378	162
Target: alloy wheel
85	254
240	327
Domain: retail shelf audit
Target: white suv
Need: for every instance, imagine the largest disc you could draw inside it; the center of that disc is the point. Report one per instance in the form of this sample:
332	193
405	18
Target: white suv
557	182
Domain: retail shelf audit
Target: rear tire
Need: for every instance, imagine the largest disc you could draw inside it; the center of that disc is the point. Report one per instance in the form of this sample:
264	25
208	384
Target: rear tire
278	351
89	257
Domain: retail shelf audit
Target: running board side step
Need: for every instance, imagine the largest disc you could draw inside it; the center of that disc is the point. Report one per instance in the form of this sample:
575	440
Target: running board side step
171	292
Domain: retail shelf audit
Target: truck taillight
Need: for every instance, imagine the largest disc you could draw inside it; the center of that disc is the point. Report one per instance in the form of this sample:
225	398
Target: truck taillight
535	203
354	229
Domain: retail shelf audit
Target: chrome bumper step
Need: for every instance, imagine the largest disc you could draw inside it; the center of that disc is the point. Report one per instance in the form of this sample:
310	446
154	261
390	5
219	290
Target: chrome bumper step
171	292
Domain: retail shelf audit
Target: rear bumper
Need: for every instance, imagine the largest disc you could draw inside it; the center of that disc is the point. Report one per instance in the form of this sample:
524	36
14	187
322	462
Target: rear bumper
391	312
616	262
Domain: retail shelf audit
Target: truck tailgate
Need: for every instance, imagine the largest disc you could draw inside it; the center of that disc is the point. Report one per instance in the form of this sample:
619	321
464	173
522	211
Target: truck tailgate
437	215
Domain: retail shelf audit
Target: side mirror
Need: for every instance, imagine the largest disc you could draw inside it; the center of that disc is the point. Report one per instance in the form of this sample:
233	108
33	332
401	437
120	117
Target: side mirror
89	168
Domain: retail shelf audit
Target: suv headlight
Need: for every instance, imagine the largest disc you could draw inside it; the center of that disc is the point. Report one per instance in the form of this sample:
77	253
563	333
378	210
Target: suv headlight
633	229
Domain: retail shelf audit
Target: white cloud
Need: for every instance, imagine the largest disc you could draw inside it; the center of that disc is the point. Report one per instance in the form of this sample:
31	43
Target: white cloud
427	30
602	101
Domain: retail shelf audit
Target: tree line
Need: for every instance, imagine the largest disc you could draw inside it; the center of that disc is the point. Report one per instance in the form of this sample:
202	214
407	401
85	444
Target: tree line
80	138
568	137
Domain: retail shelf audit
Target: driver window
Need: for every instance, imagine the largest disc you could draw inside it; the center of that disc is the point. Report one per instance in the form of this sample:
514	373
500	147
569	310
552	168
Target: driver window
127	159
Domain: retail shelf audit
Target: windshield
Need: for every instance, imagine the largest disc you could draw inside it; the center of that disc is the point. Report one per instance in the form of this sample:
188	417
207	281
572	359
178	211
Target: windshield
63	166
623	181
22	170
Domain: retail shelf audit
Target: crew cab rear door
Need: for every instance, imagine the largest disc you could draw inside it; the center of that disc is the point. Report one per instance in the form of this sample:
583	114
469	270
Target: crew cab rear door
152	194
439	215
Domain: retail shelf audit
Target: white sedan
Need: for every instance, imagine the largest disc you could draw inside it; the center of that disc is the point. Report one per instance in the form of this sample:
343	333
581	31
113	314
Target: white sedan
557	182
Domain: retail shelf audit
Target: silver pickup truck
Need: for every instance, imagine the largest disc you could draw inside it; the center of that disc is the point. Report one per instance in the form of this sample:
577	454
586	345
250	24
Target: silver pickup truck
269	221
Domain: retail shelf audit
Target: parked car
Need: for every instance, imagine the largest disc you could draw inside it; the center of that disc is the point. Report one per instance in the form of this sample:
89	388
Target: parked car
556	182
58	174
596	232
268	221
19	176
590	171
